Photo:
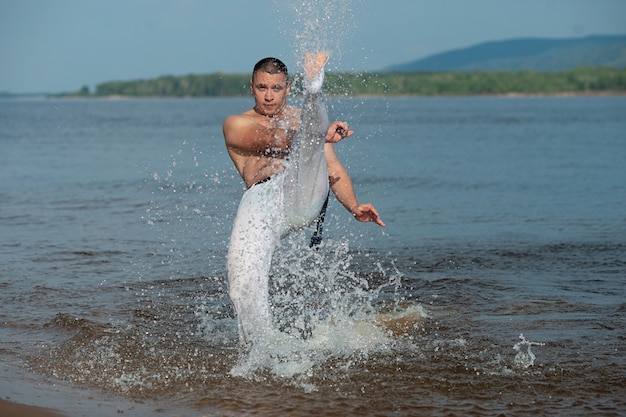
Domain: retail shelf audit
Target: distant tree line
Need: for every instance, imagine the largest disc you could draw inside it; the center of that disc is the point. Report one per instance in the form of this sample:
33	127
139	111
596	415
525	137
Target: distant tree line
480	82
207	85
579	80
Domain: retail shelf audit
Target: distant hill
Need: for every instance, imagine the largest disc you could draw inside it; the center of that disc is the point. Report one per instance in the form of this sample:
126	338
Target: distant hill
534	54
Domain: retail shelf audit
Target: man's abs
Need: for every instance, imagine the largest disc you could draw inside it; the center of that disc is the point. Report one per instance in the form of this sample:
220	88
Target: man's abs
256	169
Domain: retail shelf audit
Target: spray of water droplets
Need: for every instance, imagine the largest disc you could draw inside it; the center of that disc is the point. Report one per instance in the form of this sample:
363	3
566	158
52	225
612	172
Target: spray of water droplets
316	25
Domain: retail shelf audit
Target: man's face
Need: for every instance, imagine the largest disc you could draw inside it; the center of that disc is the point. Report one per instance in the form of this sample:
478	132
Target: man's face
270	92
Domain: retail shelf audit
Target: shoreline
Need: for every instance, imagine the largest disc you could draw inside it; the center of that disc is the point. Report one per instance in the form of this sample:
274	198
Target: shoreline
26	393
604	93
12	409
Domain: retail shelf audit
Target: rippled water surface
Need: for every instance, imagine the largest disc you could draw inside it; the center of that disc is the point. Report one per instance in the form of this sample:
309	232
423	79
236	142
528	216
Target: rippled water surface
497	287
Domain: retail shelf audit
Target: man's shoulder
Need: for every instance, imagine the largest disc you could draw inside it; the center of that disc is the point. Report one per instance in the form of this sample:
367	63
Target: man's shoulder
246	115
239	120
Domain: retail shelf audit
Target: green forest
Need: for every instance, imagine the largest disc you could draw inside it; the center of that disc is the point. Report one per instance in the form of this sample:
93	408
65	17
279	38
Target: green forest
581	80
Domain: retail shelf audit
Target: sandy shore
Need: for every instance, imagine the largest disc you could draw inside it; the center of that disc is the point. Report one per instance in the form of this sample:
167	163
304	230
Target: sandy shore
10	409
27	394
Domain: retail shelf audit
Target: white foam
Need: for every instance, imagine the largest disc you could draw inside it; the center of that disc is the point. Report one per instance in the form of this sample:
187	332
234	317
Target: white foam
525	357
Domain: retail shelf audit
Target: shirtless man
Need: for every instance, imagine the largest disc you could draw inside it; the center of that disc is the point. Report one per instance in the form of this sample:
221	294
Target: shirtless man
286	157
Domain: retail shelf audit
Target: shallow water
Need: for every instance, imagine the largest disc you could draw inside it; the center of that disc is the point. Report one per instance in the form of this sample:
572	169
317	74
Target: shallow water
497	287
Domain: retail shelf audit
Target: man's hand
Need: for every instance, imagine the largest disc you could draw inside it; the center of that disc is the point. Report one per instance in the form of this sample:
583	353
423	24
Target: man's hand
366	213
338	131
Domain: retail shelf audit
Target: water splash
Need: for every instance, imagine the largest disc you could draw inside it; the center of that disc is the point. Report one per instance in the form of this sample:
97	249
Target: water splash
525	357
190	198
316	25
324	312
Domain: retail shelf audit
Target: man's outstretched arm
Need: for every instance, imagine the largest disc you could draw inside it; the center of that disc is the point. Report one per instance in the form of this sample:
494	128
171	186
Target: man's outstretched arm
342	187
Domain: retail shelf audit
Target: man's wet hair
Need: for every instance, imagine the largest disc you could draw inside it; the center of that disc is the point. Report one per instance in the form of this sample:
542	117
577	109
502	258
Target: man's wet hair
271	66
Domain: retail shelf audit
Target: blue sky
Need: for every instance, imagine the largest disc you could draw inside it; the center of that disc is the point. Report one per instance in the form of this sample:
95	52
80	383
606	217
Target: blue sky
61	45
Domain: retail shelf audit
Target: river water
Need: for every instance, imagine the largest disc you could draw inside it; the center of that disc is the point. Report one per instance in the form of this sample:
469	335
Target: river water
497	287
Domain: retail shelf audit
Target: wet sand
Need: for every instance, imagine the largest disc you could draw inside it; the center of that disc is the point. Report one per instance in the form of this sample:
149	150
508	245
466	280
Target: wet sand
11	409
